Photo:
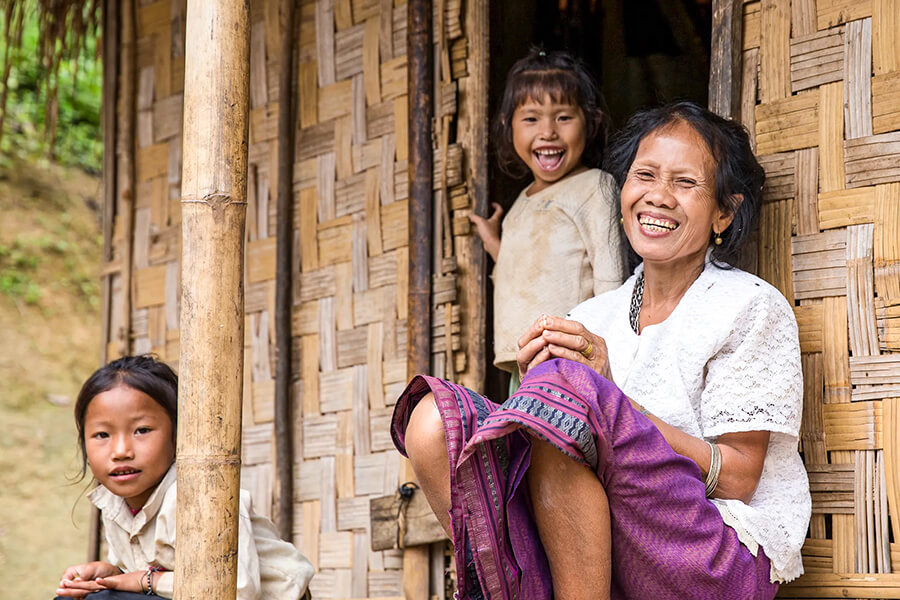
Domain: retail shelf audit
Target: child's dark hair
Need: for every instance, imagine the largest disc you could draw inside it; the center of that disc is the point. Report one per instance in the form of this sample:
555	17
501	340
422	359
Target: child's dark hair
566	80
143	373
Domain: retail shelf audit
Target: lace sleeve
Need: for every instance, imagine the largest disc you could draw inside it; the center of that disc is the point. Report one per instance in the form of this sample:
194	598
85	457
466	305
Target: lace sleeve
754	382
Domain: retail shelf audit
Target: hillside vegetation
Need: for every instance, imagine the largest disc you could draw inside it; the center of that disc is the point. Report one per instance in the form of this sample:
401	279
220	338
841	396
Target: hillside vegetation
50	251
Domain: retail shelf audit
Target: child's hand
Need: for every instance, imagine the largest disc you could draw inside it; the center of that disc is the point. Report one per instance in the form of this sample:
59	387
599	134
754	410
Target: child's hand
489	230
126	582
80	580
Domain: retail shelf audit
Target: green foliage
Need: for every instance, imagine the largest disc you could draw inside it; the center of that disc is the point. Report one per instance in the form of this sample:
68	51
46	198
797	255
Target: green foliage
78	137
17	265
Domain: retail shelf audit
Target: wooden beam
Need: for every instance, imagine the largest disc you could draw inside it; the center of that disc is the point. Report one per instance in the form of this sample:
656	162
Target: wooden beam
420	524
213	208
725	74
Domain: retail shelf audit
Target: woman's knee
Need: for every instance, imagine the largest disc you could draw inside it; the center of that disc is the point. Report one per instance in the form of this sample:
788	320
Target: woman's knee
425	441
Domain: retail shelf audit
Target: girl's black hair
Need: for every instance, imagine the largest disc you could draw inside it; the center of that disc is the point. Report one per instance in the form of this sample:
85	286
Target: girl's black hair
566	80
143	373
737	170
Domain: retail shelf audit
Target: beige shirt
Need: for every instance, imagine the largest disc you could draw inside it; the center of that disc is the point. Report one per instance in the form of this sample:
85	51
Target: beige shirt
559	247
268	567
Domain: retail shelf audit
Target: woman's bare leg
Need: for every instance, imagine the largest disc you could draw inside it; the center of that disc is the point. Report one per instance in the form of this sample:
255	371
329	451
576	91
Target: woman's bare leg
572	515
427	450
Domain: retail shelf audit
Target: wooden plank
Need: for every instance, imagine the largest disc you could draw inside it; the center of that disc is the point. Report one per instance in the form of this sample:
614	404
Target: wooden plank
885	36
774	50
261	260
325	41
775	248
810	327
831	13
835	350
886	102
803	17
872	160
150	286
749	92
335	100
371	62
853	425
817	58
831	137
858	78
725	56
846	207
307	94
422	527
846	585
787	124
752	19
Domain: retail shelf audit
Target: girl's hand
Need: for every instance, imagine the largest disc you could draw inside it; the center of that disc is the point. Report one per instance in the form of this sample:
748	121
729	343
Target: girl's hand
555	337
135	581
489	230
80	580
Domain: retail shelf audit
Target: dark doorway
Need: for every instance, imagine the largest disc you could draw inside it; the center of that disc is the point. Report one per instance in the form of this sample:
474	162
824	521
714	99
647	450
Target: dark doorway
642	53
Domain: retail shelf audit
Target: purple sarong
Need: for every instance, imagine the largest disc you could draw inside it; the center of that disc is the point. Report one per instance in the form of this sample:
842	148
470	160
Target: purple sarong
668	540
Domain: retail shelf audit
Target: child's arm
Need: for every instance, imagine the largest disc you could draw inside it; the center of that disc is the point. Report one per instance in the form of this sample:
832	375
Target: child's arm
489	230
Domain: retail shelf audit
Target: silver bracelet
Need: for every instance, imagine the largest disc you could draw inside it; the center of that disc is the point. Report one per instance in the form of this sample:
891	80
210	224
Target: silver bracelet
715	465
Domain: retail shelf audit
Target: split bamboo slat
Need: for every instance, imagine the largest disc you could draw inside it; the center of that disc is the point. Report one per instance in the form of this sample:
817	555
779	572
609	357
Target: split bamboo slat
350	271
820	97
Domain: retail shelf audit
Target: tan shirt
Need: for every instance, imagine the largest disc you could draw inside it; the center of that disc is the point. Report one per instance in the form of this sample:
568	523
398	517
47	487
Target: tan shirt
268	567
559	247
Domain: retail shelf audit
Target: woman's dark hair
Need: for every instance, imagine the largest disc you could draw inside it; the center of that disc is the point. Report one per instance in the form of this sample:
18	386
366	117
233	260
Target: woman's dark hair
143	373
737	170
566	80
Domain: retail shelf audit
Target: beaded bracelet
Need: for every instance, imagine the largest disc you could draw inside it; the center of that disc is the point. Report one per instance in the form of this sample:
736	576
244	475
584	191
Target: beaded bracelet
150	572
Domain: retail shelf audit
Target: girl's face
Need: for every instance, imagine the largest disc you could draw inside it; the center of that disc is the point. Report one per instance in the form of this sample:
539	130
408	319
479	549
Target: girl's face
549	138
128	442
669	208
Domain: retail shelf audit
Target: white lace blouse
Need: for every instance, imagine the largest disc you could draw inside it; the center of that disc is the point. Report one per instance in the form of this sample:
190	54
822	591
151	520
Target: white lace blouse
726	360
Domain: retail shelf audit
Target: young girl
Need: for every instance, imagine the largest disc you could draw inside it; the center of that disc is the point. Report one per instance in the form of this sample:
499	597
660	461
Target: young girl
126	415
561	240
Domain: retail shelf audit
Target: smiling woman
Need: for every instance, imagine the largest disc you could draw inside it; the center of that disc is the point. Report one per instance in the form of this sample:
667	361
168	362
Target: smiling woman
680	392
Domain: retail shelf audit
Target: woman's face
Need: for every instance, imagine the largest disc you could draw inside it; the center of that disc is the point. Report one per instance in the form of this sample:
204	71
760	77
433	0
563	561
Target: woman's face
668	199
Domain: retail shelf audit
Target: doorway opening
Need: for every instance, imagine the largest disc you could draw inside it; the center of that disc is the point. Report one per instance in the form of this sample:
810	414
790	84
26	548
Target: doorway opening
641	52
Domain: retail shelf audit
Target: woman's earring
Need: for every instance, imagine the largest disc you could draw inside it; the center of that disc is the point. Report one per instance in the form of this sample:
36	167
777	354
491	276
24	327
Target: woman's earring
621	220
718	239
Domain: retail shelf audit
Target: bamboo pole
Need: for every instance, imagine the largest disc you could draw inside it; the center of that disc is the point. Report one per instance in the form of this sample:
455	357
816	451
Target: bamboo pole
214	206
284	421
125	169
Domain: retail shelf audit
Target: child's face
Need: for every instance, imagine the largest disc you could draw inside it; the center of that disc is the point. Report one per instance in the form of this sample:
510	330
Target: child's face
549	138
128	441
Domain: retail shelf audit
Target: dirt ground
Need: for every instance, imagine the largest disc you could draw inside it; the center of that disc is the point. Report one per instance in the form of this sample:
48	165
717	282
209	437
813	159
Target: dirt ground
50	251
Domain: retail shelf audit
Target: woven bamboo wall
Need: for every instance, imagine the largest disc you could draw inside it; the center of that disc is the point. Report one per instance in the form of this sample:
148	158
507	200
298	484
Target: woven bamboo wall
350	251
821	96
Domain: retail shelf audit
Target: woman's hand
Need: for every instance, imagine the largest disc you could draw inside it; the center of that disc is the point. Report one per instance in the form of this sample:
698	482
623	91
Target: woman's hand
80	580
127	582
489	230
555	337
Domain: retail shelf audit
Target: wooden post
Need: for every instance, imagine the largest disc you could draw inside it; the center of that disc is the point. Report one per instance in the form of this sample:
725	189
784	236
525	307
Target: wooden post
108	109
284	284
725	71
214	206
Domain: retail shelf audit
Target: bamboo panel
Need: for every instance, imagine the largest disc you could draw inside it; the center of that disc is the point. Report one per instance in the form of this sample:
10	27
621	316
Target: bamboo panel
780	175
857	77
871	160
846	207
835	350
853	425
831	487
875	377
831	137
834	12
810	327
885	36
886	243
860	290
819	264
787	123
886	102
817	58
